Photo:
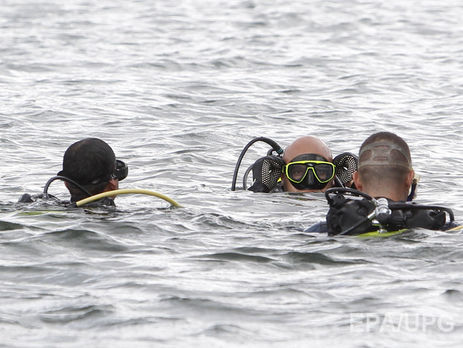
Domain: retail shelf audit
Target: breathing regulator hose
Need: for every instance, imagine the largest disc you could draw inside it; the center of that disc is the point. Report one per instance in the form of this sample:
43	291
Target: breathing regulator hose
275	147
126	191
66	179
96	197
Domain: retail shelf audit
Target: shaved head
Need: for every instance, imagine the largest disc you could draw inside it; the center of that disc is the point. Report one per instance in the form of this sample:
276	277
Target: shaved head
385	149
385	166
306	145
301	146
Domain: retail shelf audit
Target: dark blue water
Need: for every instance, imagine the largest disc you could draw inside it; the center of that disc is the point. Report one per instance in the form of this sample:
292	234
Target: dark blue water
178	89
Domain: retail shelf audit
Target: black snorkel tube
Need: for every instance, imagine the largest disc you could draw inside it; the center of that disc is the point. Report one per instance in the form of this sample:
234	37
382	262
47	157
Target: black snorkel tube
275	147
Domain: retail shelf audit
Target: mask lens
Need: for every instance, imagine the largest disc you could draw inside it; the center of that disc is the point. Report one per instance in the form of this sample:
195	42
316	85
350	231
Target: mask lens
310	174
296	172
324	172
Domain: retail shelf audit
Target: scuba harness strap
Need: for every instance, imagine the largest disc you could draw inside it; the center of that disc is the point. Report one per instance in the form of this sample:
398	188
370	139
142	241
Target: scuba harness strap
353	212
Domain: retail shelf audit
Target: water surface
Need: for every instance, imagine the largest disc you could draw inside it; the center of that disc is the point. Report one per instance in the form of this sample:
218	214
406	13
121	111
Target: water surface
178	89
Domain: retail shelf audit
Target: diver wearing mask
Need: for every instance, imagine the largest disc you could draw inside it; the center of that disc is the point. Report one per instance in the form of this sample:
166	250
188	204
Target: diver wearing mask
306	165
308	173
90	167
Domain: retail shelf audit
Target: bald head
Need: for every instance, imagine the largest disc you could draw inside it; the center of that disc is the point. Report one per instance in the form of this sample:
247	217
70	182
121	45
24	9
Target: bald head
307	145
301	146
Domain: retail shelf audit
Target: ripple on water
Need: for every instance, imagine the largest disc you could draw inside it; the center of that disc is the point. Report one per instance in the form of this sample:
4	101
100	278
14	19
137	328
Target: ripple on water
68	314
85	239
177	89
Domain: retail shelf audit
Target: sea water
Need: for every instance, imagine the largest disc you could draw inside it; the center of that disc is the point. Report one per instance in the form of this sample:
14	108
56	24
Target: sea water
178	88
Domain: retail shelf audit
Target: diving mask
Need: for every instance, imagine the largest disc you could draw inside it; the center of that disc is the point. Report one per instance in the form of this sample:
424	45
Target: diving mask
120	172
309	172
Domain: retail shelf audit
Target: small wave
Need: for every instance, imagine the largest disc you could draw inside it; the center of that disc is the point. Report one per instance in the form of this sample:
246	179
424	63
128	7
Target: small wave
316	258
234	256
8	226
75	313
453	295
87	239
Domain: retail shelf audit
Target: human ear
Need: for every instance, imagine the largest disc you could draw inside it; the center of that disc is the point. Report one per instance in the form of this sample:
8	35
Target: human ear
410	177
113	184
357	182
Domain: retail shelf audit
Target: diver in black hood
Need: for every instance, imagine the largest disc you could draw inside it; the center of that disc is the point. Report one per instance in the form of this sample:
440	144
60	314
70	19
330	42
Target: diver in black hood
89	167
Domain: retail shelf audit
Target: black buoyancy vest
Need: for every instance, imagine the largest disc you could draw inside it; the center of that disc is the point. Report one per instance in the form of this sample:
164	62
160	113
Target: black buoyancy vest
356	214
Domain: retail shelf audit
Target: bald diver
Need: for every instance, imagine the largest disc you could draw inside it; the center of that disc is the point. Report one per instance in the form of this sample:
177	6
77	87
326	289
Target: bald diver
306	165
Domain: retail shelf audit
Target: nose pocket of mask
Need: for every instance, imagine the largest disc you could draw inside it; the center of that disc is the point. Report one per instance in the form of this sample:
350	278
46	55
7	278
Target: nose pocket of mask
310	178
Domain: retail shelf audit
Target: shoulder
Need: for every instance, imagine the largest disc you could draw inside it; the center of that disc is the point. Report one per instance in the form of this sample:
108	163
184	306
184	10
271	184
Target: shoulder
319	227
28	198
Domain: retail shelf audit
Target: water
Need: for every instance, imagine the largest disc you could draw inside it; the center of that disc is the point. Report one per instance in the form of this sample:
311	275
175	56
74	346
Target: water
177	89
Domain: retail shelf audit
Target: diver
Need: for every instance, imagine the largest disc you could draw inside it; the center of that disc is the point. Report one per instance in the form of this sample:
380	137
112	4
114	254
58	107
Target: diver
89	167
386	186
307	165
